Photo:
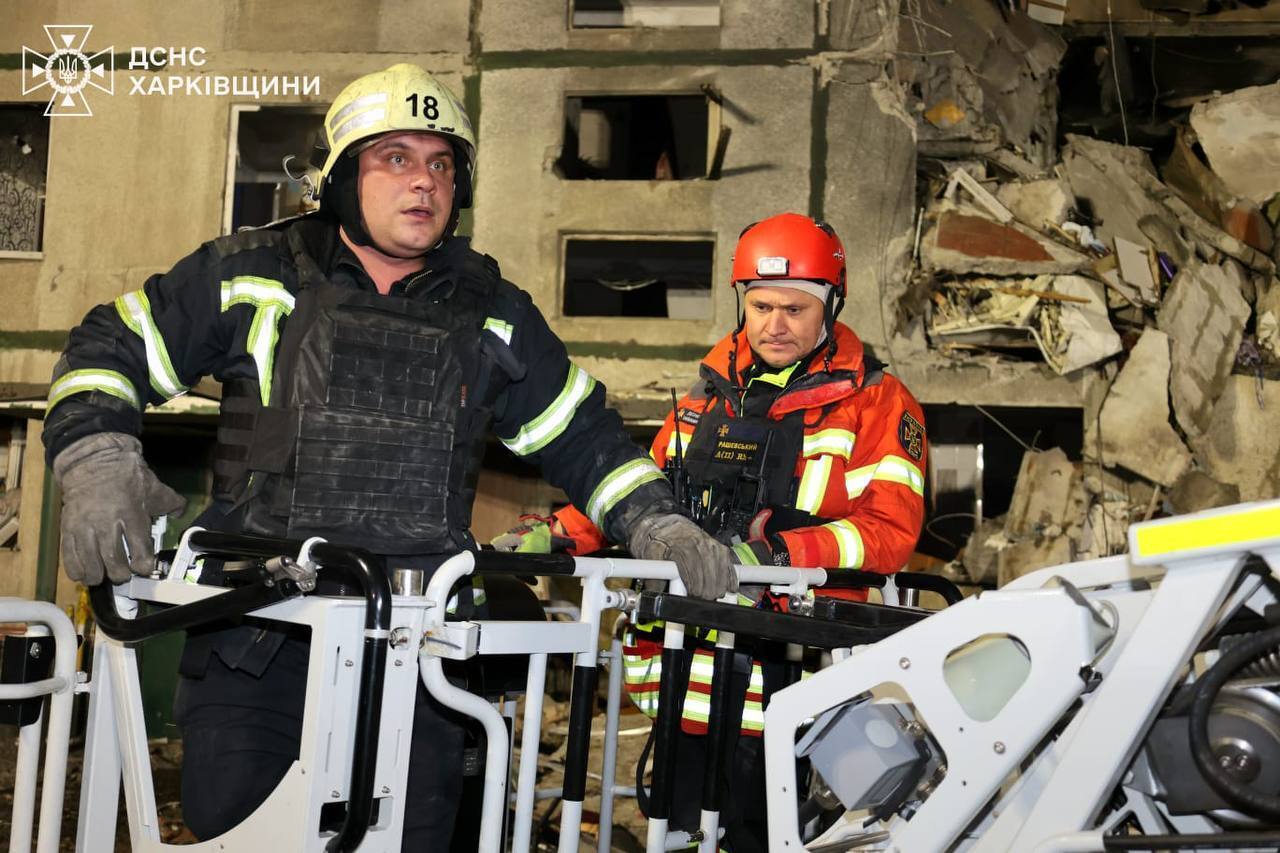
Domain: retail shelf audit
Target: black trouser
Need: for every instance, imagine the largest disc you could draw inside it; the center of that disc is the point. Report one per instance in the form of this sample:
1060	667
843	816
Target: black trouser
742	792
241	732
743	799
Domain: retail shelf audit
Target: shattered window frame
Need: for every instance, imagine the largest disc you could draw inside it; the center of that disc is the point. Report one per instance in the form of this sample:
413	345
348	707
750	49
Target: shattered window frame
696	305
24	176
286	188
571	165
613	14
12	460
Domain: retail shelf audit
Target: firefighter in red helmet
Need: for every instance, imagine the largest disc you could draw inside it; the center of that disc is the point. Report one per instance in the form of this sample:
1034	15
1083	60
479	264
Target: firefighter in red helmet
826	470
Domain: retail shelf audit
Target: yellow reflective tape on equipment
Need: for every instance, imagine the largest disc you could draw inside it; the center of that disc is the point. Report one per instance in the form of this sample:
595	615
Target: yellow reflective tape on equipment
1201	532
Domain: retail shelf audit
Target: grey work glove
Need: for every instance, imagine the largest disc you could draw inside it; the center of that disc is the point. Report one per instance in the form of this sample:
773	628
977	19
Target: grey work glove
109	498
705	565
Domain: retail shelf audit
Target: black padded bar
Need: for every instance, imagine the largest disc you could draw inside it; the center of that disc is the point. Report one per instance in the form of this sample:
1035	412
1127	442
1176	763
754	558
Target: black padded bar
665	730
582	704
865	614
507	563
717	728
748	622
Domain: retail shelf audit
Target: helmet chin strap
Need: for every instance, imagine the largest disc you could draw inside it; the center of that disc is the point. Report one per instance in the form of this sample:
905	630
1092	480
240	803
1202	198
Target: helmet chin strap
835	302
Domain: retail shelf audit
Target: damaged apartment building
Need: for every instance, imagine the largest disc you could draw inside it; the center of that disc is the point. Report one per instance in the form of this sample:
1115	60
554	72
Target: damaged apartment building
1058	219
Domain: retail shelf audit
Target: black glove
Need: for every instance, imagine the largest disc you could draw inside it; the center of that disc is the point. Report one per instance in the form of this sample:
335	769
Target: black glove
705	565
109	498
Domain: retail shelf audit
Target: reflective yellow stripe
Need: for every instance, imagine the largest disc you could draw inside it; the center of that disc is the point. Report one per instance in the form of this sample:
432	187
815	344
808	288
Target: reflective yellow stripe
1238	526
849	541
685	438
890	469
857	480
135	310
81	381
500	328
271	301
837	442
895	469
546	427
813	484
620	482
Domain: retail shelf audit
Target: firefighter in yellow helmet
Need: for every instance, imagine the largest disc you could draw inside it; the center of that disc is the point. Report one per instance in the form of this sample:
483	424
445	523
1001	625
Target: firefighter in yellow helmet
365	353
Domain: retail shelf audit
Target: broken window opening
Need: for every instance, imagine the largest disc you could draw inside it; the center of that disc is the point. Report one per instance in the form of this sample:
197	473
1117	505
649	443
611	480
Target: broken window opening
24	167
12	456
635	138
615	14
638	278
974	462
264	136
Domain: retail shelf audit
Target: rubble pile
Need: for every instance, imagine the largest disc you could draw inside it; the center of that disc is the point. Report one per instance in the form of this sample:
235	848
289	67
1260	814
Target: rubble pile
1153	284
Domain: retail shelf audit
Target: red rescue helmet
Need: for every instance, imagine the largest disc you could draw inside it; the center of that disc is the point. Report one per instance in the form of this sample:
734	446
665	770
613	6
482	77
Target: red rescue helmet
790	246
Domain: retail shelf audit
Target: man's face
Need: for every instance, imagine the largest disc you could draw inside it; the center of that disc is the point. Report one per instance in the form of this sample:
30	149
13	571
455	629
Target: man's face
406	192
783	324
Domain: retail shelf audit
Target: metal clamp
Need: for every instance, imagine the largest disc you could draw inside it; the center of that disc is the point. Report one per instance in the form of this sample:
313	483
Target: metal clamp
302	574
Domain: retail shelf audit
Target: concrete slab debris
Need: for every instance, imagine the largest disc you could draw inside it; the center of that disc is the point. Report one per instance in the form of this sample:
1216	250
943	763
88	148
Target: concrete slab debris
1042	495
1105	530
1119	186
999	71
1103	179
1267	308
1135	430
1022	558
980	555
1134	260
1196	490
965	243
1240	134
961	178
1074	334
1034	203
1241	447
1203	314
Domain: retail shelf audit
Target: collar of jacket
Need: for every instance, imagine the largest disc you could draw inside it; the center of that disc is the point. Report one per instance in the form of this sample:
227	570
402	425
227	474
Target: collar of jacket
319	239
815	389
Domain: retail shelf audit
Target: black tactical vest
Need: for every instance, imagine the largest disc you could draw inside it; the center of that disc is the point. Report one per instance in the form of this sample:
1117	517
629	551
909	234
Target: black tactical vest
379	407
737	464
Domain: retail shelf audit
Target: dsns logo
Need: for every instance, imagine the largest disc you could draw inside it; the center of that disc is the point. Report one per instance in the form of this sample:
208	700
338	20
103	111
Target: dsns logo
68	70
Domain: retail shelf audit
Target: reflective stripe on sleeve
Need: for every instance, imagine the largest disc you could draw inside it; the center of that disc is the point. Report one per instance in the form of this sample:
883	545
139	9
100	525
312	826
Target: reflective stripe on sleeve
271	302
890	469
837	442
619	483
546	427
500	328
813	484
685	438
849	541
135	310
81	381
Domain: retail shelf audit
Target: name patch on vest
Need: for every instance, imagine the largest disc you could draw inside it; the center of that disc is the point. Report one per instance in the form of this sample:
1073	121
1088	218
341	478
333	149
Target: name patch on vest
738	443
